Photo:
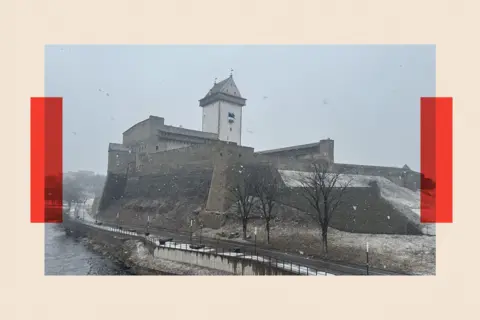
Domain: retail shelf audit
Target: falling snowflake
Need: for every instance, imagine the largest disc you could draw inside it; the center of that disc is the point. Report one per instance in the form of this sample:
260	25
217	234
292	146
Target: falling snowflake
354	207
388	217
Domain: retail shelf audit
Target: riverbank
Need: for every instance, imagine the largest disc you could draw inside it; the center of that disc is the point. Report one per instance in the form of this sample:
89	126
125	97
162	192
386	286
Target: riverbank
136	250
132	254
70	256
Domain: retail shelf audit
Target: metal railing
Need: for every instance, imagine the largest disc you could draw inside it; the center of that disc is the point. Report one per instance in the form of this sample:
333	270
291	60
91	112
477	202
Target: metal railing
200	247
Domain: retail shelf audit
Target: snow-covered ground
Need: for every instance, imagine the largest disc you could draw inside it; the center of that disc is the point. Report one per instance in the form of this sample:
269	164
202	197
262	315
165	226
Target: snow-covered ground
183	246
402	199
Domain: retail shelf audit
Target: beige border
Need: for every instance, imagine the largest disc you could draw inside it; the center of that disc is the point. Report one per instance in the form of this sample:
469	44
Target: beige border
28	25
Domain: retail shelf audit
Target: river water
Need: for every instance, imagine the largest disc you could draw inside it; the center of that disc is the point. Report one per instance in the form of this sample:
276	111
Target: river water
66	255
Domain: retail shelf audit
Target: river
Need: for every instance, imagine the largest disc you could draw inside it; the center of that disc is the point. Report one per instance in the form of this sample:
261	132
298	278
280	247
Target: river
65	255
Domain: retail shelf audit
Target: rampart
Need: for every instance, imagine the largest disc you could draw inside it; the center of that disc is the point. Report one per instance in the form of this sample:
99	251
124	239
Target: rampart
201	174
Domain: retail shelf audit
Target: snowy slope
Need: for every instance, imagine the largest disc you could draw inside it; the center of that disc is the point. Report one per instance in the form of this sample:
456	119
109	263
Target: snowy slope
404	200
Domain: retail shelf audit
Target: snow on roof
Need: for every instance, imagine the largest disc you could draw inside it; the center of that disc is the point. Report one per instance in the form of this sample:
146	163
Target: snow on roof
294	179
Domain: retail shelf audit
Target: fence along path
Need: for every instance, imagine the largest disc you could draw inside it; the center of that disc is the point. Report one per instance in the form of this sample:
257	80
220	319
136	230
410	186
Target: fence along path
286	265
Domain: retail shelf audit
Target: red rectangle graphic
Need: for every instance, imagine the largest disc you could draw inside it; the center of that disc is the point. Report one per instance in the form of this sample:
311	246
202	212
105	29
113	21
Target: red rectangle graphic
46	158
436	142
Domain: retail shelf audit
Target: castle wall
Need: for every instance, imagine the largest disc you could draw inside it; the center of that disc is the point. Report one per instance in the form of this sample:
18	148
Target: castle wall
221	175
119	158
201	174
142	137
113	190
171	145
143	130
173	184
327	149
175	159
362	210
404	178
120	161
139	132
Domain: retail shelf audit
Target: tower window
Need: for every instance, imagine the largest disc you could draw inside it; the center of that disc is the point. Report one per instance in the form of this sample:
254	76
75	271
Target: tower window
156	148
230	128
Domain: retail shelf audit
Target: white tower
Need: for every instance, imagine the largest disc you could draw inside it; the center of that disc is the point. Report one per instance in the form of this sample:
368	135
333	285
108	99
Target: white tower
222	111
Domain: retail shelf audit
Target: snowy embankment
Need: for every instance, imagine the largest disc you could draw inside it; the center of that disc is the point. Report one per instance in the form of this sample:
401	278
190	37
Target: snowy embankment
404	200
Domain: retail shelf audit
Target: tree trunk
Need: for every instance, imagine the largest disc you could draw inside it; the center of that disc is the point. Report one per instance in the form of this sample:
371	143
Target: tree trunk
267	227
244	229
325	241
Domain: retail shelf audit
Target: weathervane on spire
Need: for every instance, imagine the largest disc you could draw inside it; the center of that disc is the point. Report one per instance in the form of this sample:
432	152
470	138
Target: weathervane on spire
231	73
215	81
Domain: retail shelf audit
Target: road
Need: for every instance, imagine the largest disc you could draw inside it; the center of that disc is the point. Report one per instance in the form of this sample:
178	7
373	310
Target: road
336	268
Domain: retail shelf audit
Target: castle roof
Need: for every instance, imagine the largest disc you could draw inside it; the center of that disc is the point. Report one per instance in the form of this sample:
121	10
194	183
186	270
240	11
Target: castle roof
292	148
187	132
226	90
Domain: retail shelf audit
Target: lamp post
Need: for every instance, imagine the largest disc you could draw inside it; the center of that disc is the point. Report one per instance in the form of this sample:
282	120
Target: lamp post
201	232
255	243
367	260
148	224
118	218
191	230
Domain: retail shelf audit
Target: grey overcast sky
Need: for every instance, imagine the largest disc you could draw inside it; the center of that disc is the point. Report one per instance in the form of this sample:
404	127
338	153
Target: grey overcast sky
366	98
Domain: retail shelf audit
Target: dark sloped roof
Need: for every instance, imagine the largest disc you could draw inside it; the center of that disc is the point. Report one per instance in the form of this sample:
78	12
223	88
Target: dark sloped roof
227	87
189	132
224	90
292	148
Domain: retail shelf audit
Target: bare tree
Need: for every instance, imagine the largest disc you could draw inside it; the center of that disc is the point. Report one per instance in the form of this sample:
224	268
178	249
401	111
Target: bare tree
53	187
72	193
241	193
324	192
266	190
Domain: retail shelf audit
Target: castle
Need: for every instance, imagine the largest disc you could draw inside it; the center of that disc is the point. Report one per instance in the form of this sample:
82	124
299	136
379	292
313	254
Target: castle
221	122
151	151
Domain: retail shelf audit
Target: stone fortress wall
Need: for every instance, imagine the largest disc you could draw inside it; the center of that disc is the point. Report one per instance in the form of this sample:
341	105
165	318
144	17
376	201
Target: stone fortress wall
203	170
159	168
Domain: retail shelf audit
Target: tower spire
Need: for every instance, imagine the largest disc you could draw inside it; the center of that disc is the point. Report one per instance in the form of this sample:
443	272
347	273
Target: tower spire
231	73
